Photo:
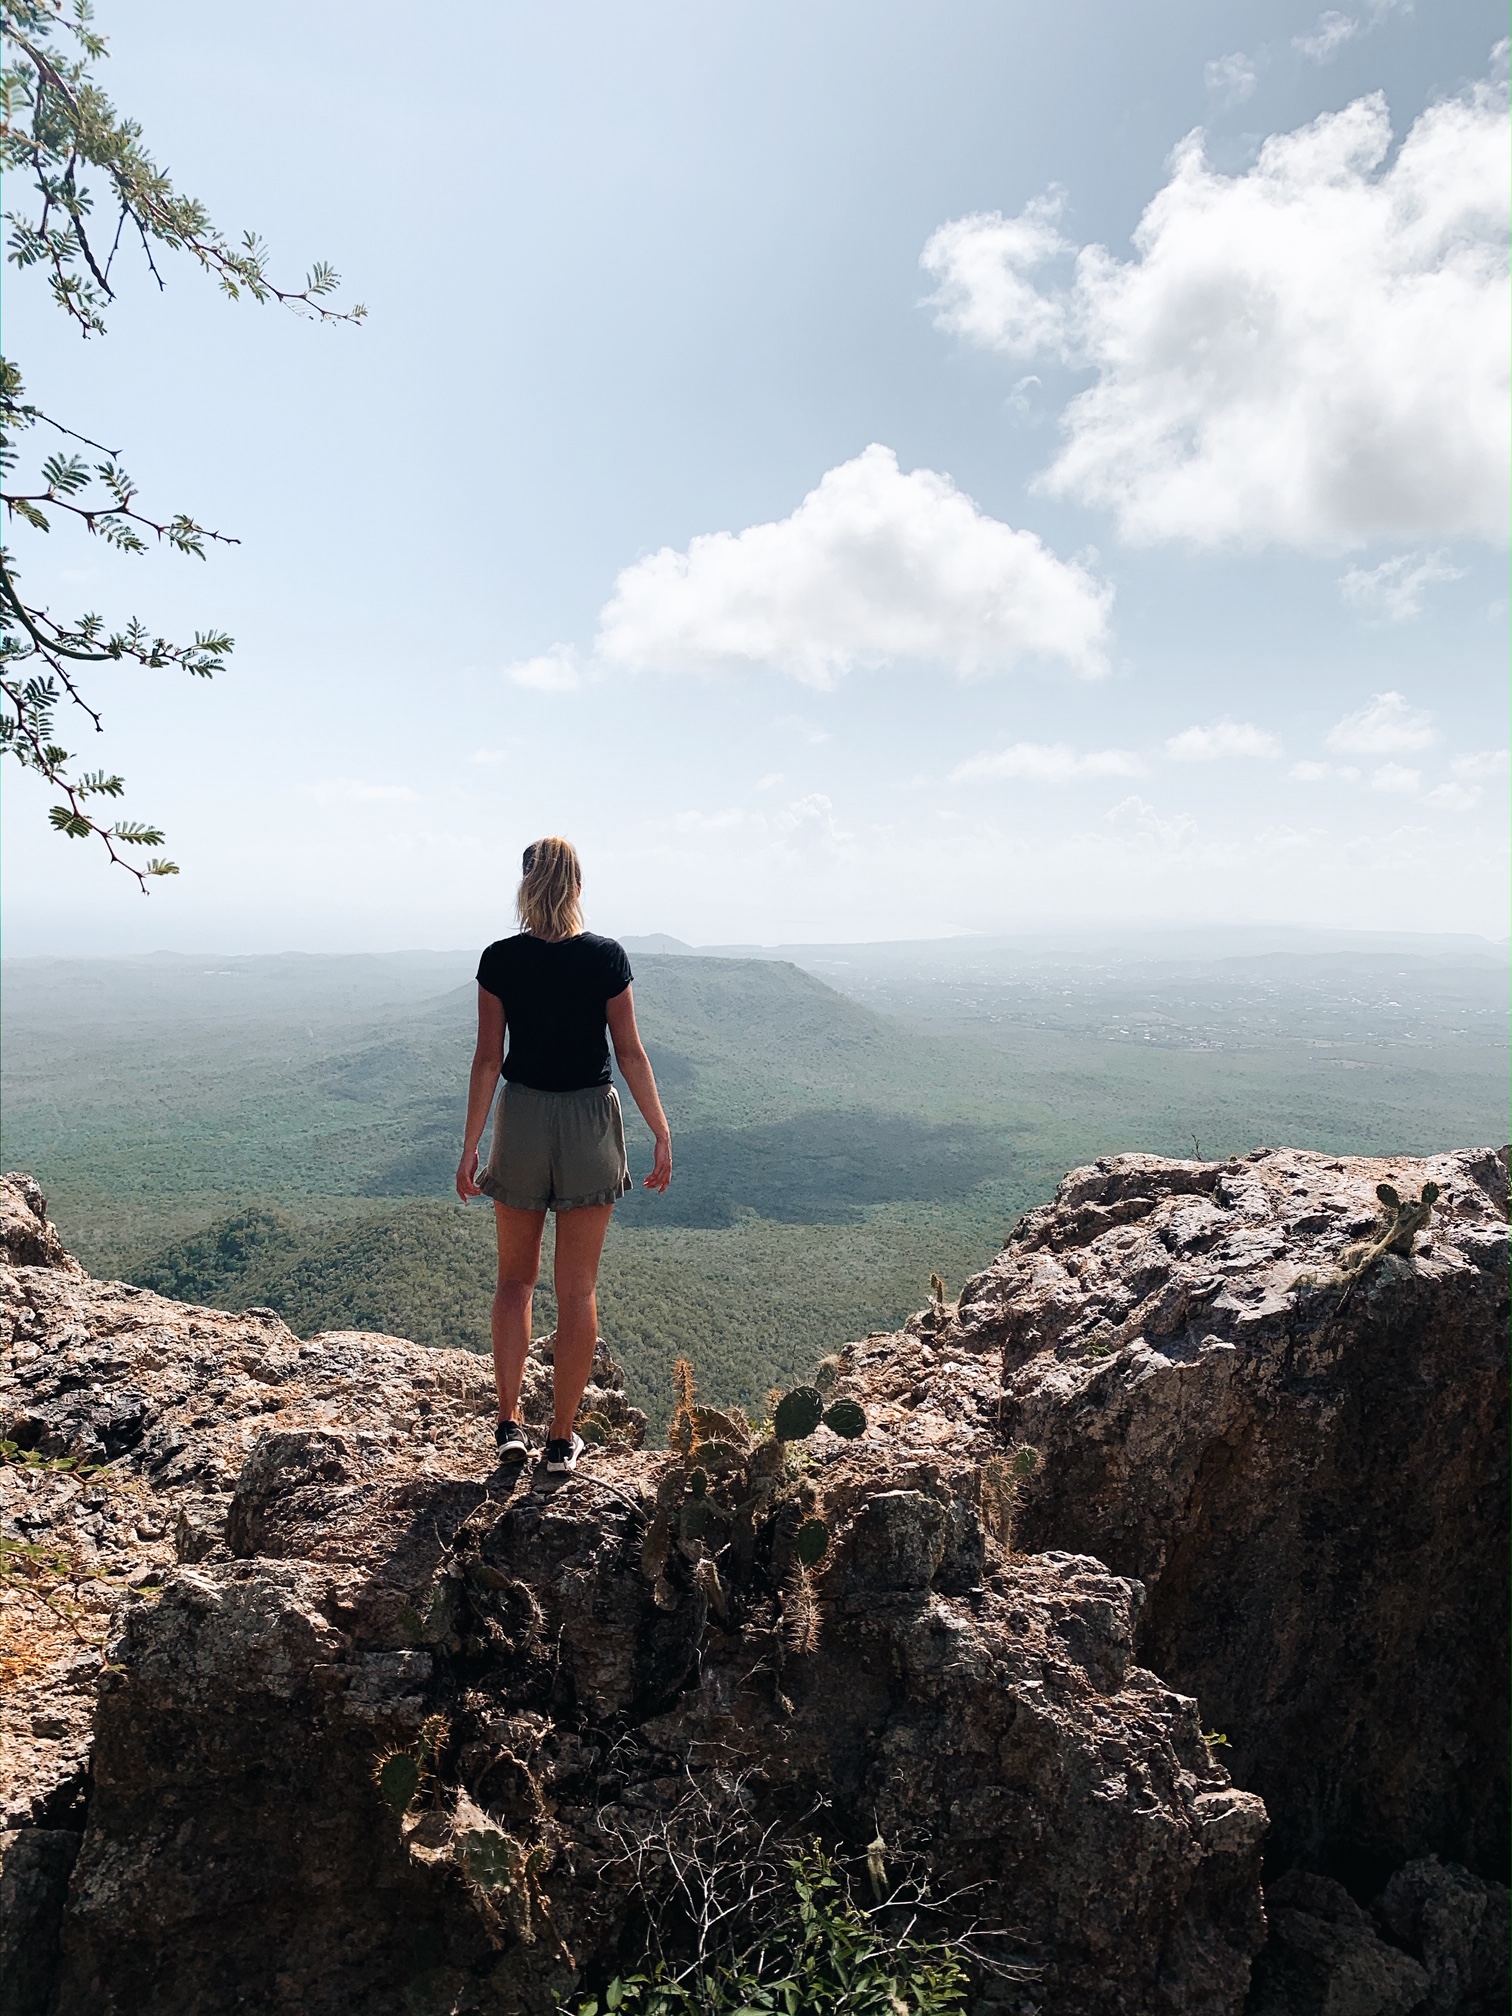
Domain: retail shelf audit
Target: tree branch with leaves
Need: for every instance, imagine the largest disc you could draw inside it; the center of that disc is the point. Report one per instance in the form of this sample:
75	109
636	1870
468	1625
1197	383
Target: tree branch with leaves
64	145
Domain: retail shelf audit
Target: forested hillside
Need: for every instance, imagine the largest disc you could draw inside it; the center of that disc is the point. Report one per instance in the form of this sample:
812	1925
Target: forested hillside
282	1132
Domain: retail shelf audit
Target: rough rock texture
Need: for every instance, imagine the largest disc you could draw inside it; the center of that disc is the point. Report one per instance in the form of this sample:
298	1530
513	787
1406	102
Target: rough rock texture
1457	1925
1310	1477
982	1711
1325	1954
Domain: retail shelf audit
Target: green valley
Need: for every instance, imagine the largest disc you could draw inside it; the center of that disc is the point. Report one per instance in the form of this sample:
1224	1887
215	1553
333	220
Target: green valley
282	1131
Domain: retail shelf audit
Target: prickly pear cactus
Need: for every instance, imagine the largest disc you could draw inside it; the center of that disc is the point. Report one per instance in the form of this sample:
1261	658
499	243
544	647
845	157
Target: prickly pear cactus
397	1776
798	1414
1025	1461
488	1858
845	1417
812	1543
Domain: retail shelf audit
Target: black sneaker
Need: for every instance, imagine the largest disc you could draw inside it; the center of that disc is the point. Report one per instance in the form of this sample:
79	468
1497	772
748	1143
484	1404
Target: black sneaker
509	1439
562	1456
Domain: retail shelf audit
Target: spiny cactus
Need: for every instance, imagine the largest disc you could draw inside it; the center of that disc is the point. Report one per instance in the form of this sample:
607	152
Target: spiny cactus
802	1613
937	1294
505	1872
434	1731
1403	1223
706	1578
827	1371
812	1543
845	1417
682	1435
721	1425
698	1483
595	1428
397	1776
798	1414
999	1483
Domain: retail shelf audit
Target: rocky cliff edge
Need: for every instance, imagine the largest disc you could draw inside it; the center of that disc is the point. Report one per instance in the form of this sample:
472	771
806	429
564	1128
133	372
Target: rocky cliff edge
1257	1553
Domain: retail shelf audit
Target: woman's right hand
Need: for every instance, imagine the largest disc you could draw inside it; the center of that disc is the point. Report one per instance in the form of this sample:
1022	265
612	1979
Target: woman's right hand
467	1175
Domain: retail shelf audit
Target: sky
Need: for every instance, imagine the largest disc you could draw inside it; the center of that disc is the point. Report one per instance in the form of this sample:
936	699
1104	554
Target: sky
860	471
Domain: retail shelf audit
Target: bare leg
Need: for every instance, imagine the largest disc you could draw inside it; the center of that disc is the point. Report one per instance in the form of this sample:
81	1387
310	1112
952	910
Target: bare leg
519	1263
579	1242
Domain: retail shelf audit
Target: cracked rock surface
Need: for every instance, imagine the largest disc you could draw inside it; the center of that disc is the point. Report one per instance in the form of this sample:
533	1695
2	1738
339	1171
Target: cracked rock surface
345	1562
1269	1499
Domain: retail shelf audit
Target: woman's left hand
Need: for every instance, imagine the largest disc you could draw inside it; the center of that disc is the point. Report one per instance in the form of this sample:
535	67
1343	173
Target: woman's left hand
661	1168
467	1176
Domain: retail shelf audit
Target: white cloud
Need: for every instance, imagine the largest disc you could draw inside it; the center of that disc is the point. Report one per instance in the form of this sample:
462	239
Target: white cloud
1454	797
1047	763
355	791
1330	32
1396	777
1332	29
1385	726
555	671
1135	816
487	757
981	263
770	781
1313	352
1484	763
1223	738
1394	590
874	567
1324	773
1231	79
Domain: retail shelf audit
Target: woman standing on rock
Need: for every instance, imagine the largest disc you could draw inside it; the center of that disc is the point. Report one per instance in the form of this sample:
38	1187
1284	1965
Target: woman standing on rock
558	1138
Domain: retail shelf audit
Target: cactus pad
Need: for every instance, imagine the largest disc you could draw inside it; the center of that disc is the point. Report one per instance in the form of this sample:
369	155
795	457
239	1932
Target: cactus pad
488	1858
1388	1196
398	1779
1025	1461
847	1418
1430	1193
698	1483
812	1543
798	1414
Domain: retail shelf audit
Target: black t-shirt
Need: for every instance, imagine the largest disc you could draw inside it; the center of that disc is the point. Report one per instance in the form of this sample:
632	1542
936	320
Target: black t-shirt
554	992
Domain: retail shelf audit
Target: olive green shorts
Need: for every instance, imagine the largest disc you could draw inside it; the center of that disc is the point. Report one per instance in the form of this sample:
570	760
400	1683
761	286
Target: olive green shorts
555	1151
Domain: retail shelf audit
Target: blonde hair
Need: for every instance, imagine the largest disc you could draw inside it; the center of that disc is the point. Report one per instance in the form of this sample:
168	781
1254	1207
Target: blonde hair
551	886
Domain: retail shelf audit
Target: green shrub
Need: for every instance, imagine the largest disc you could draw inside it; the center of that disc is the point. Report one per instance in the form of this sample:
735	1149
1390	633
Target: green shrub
827	1957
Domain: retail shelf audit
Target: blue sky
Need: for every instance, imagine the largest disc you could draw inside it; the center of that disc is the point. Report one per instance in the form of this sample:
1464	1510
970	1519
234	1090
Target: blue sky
860	471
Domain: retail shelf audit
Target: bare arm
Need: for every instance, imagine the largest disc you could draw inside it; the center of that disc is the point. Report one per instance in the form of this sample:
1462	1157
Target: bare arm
635	1068
488	1060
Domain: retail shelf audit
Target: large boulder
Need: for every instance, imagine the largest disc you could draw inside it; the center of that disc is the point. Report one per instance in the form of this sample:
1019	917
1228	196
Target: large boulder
1303	1458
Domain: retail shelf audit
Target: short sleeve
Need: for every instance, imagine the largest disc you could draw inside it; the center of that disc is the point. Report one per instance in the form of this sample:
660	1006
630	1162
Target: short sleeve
617	974
490	977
